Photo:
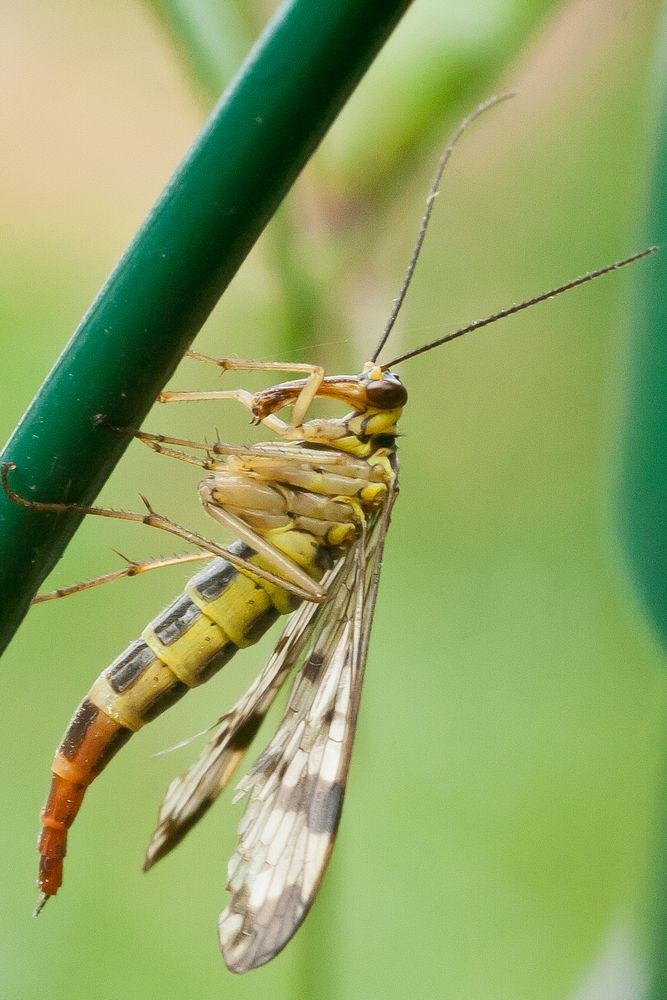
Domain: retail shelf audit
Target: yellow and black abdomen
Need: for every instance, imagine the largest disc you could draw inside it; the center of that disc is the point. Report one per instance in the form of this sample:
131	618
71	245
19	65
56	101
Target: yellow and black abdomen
297	507
221	610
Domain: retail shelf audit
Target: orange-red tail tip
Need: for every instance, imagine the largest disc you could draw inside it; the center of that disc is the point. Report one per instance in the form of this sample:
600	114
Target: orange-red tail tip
43	900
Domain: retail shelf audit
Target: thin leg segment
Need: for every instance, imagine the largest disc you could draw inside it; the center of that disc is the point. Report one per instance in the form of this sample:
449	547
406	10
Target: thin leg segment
254	451
242	396
155	520
313	380
133	568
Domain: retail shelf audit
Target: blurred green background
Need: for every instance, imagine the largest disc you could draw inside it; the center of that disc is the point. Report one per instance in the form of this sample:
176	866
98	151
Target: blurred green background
501	817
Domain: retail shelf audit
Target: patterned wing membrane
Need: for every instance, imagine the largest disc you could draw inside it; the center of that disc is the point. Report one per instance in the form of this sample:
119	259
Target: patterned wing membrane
296	786
190	794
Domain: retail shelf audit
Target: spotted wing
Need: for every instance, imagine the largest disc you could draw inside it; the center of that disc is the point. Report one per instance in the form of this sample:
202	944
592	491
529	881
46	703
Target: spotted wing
296	786
191	794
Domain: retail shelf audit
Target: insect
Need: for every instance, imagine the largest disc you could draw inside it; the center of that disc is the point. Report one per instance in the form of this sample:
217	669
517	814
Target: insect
310	512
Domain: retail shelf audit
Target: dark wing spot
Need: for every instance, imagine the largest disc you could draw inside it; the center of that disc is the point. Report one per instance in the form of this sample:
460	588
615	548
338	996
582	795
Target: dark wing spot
325	807
172	833
246	733
313	666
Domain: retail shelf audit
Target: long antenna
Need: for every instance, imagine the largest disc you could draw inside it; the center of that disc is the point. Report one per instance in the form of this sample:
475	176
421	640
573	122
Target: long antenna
519	307
423	226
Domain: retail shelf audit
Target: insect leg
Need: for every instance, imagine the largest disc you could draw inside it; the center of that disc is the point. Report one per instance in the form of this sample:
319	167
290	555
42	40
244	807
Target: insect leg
313	380
255	451
216	448
251	454
132	569
181	456
314	375
242	396
155	520
154	442
292	574
258	455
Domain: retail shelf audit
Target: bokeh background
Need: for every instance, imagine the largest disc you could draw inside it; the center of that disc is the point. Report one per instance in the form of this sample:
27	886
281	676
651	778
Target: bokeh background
500	825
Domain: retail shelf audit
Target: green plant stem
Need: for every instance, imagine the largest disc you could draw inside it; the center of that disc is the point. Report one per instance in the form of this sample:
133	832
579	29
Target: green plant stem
269	121
203	33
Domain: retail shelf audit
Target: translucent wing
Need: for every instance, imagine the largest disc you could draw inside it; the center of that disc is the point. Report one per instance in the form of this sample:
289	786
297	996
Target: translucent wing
190	794
296	786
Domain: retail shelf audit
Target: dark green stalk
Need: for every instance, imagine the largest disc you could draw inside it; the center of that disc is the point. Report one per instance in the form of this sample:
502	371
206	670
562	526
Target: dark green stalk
258	138
203	33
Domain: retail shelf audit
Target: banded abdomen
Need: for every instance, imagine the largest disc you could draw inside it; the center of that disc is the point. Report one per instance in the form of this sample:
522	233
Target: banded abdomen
220	611
297	509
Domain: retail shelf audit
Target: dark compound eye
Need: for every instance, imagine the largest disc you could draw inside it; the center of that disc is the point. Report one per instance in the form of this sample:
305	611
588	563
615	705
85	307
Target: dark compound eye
387	393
